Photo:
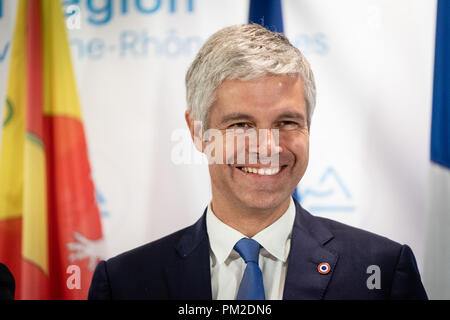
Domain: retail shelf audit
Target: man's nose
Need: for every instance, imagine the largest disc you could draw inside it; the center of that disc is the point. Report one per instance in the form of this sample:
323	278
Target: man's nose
267	143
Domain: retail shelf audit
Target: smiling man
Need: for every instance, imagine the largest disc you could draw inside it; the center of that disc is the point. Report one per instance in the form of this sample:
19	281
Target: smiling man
254	241
251	201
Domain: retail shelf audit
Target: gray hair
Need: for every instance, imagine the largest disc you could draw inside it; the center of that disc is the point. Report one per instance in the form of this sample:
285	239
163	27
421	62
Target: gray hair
244	52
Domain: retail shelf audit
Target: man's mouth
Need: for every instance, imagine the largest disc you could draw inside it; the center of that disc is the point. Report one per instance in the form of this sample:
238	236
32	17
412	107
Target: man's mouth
261	171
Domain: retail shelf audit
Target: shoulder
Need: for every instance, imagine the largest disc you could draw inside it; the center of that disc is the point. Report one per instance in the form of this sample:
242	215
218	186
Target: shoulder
138	273
151	254
359	238
364	252
342	237
355	246
359	246
7	284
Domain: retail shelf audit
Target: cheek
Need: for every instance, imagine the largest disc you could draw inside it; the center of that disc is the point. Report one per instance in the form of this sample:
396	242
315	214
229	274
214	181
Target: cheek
216	150
298	144
234	149
216	172
229	149
225	150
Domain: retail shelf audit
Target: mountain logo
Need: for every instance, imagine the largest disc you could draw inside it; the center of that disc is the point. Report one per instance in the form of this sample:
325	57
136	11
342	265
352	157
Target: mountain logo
329	194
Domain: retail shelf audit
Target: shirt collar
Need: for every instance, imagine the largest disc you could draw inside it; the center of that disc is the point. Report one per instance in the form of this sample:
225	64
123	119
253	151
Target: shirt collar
222	237
274	237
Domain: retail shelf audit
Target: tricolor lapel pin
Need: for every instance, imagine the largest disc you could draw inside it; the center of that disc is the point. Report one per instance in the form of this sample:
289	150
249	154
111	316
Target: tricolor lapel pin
323	268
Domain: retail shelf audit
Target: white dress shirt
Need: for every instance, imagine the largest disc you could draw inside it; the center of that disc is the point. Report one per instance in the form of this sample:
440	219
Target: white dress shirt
227	266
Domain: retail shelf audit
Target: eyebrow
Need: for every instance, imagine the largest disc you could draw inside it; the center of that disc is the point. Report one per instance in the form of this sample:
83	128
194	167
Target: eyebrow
236	116
292	115
243	116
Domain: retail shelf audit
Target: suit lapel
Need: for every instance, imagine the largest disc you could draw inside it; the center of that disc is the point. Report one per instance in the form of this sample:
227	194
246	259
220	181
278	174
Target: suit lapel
189	277
303	280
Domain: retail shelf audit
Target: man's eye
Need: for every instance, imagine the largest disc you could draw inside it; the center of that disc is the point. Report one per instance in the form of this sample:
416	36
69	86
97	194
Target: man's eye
239	125
288	125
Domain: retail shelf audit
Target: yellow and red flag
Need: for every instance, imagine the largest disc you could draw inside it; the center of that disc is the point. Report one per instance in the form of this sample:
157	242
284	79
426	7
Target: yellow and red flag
47	197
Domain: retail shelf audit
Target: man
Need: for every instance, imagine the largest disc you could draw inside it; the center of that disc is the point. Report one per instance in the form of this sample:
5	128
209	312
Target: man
254	241
7	283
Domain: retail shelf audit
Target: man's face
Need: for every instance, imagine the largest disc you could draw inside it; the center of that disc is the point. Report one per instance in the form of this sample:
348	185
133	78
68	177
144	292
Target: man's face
269	102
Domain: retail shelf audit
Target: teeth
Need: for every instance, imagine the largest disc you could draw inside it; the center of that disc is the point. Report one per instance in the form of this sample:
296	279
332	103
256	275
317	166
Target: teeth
261	171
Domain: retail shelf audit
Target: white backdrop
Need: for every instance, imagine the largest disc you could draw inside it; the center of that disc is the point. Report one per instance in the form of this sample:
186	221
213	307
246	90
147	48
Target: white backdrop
369	159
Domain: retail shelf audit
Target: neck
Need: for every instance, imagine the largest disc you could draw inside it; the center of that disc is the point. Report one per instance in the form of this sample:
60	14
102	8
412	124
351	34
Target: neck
246	220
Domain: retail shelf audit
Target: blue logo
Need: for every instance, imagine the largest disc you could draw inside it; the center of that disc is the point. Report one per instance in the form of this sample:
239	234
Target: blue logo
329	194
129	43
137	44
100	12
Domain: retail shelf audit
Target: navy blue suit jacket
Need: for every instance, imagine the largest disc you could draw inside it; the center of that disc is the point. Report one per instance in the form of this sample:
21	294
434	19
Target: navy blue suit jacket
7	283
178	266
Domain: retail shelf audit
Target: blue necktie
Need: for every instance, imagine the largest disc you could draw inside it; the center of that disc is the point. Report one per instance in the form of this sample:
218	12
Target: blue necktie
251	287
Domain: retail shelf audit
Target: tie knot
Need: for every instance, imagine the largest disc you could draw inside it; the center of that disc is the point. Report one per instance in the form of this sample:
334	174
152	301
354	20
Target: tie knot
248	249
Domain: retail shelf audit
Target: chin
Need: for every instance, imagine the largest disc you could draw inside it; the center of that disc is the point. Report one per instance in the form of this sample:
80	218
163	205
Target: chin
264	201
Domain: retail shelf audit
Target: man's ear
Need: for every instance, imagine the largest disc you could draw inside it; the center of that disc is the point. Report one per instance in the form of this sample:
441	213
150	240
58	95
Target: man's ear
196	130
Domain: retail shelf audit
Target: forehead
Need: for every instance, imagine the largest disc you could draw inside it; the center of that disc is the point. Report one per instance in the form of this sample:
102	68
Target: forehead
264	96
